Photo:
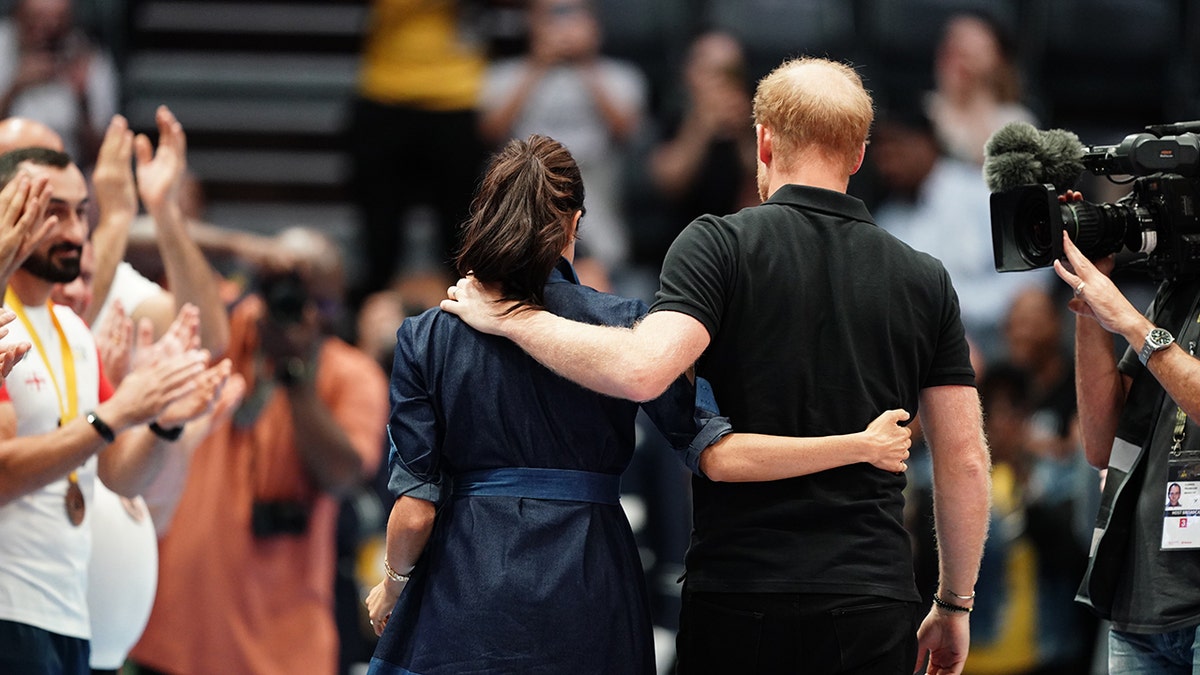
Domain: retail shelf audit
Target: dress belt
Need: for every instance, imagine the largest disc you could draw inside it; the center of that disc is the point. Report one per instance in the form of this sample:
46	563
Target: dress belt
531	483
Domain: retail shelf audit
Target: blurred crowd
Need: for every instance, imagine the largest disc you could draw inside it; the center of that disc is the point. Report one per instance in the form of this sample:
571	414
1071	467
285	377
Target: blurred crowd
263	521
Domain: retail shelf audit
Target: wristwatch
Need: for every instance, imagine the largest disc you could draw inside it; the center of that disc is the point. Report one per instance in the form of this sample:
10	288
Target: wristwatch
101	428
1156	340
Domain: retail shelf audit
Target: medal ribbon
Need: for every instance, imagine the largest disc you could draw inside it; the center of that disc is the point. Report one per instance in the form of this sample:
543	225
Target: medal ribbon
68	409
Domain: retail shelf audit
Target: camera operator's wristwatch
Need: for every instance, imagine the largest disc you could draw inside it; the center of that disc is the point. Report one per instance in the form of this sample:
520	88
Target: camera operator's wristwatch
1156	340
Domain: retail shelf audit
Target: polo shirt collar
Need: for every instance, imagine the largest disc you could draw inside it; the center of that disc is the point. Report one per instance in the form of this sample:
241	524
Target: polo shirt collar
819	199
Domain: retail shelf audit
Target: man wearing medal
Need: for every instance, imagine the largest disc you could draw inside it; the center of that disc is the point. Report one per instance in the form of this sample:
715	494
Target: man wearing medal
62	425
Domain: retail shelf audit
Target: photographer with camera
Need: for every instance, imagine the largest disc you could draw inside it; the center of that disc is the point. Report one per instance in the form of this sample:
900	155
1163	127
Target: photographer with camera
247	568
1144	573
1135	413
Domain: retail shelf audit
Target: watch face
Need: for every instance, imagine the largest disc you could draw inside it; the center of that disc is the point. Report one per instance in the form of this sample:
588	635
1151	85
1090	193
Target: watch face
1159	337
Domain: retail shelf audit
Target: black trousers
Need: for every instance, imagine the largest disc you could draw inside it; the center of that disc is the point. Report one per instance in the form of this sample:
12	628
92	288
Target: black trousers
28	650
403	157
796	633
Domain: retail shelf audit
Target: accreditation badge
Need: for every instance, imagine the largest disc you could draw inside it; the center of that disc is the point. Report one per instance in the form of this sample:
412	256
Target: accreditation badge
1181	499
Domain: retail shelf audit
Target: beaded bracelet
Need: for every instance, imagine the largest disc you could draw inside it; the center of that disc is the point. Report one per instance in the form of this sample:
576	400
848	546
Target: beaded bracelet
393	574
949	607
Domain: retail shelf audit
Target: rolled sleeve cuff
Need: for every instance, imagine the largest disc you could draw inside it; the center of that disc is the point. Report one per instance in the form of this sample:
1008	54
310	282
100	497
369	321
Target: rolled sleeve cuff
712	428
402	481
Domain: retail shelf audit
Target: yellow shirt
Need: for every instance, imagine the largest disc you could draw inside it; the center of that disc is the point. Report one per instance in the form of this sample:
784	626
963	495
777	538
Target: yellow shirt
418	54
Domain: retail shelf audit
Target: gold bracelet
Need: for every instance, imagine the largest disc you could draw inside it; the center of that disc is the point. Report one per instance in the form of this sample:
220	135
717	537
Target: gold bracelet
393	574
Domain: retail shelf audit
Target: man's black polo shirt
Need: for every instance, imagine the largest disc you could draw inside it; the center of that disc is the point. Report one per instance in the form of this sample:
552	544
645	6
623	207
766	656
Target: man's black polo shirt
819	321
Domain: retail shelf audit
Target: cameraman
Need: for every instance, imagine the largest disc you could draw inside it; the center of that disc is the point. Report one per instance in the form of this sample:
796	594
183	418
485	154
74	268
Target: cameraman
1143	575
247	568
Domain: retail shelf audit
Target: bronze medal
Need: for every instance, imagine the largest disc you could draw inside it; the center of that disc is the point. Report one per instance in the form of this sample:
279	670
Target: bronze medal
74	502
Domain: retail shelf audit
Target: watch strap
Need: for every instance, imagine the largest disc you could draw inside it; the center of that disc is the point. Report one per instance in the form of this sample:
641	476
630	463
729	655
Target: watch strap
171	434
101	427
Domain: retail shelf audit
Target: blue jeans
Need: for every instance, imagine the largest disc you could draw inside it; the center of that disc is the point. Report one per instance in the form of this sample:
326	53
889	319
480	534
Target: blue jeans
1173	653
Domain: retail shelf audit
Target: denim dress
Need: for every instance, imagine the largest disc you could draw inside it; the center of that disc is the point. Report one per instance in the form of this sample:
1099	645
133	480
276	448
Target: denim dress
531	566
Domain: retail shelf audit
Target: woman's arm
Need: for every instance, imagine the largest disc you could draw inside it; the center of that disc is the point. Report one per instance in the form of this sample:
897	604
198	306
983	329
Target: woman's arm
758	457
408	529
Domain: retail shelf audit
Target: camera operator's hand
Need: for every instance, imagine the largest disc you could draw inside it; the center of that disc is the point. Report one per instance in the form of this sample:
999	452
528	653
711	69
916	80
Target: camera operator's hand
1095	294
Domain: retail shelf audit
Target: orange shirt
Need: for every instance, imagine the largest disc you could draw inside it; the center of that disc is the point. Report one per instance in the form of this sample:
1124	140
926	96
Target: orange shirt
228	602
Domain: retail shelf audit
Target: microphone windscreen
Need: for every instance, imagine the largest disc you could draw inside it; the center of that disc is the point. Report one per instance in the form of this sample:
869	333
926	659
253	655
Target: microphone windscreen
1013	137
1011	157
1010	170
1062	157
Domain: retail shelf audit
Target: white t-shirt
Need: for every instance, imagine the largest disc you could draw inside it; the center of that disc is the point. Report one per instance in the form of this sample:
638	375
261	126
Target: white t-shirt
43	557
122	575
130	287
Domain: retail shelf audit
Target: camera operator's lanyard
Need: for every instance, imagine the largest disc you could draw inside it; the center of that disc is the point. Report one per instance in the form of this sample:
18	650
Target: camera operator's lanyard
1181	515
68	408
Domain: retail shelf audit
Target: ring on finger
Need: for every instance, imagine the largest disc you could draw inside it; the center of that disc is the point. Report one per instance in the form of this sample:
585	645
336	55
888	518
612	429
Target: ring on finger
1080	287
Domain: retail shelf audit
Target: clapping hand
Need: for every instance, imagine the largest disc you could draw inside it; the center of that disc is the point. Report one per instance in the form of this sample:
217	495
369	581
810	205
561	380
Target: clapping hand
23	224
160	171
12	353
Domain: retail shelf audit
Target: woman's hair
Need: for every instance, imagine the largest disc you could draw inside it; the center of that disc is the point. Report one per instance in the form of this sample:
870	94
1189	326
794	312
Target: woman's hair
520	218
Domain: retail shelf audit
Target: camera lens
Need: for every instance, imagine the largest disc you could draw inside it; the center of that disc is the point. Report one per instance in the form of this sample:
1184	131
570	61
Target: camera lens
1097	229
1034	241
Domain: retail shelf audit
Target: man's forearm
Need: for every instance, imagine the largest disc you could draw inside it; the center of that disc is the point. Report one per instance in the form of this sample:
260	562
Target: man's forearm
130	464
636	364
109	243
961	480
30	462
191	279
1177	369
326	450
1100	389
